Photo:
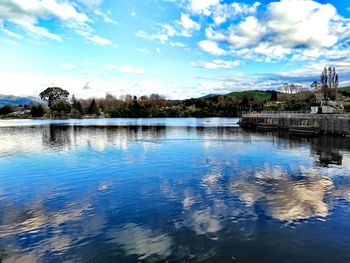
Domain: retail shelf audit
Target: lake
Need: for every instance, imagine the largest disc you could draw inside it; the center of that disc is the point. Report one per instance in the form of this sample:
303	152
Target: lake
170	190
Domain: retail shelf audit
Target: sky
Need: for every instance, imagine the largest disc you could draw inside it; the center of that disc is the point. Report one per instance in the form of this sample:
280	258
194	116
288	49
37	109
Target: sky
176	48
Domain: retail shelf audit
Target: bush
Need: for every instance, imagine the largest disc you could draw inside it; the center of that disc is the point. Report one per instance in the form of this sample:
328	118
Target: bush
37	111
7	109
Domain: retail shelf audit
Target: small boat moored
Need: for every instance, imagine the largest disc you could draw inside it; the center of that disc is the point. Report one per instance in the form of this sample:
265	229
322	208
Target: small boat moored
304	129
268	125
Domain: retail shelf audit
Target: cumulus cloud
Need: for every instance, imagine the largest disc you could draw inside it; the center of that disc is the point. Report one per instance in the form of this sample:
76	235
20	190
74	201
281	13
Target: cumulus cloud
282	29
303	22
201	6
219	11
27	15
185	27
211	47
188	25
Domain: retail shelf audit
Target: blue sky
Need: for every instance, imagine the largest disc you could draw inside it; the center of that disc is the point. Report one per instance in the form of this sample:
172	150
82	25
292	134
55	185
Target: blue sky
179	49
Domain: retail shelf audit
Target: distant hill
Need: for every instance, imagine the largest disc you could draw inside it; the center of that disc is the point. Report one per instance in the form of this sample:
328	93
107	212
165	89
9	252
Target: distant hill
264	95
344	89
15	100
210	96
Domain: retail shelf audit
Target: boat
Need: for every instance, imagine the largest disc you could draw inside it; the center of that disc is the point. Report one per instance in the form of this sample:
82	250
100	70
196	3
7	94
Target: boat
268	125
304	129
244	124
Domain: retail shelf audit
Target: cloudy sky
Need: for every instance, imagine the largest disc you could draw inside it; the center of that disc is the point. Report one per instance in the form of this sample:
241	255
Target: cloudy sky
177	48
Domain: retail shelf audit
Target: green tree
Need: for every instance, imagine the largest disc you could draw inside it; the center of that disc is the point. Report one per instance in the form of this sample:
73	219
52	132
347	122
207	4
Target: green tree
54	94
79	107
37	111
273	96
61	106
73	101
93	109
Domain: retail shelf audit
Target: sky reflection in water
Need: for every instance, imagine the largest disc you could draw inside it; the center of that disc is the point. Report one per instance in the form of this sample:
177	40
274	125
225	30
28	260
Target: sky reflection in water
178	193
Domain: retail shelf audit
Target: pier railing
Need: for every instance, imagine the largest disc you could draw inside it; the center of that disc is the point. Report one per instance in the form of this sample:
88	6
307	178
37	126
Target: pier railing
325	123
300	114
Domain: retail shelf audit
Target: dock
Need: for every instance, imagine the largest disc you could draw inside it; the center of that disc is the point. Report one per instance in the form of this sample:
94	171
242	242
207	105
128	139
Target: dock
335	124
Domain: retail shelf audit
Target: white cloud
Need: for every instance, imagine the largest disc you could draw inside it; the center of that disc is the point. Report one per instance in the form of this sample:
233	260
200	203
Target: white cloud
91	3
183	27
202	6
302	22
160	37
177	44
84	86
188	25
100	40
246	34
221	13
170	30
27	15
11	34
217	64
211	47
286	27
105	16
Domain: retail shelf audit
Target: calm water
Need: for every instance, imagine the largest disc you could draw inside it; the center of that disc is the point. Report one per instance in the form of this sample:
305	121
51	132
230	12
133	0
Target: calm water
176	190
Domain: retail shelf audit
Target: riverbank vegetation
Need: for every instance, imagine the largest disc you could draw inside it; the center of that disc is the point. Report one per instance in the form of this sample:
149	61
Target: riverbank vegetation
230	105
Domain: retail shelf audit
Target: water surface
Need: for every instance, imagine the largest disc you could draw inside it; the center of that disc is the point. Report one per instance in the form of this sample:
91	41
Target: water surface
176	190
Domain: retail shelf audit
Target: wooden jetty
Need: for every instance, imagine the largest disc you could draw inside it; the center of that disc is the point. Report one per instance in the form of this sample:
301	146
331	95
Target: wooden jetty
336	124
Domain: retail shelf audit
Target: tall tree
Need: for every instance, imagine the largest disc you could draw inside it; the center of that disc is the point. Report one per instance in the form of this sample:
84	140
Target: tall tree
93	109
329	83
79	107
54	94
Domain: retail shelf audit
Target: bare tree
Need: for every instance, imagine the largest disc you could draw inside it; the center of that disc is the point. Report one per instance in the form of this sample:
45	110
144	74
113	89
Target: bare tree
291	88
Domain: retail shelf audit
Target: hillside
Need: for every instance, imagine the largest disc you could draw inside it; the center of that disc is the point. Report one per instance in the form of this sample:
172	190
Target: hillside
344	89
264	95
15	100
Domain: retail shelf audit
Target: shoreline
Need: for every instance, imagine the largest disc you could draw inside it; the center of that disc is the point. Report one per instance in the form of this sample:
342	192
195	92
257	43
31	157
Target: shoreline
334	124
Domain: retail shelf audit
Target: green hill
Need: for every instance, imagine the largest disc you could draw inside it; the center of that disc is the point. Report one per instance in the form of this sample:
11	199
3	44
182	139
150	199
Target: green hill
344	89
264	95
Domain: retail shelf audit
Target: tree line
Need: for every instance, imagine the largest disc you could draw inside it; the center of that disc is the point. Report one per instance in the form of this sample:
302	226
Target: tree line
287	97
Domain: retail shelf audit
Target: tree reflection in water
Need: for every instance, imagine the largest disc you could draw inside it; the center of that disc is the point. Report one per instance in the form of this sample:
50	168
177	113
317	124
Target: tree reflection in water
157	193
